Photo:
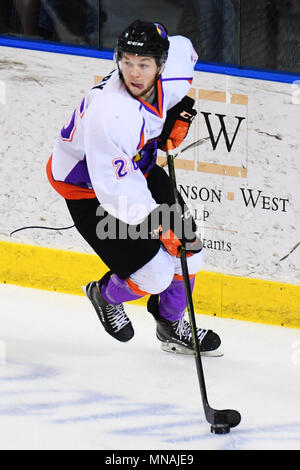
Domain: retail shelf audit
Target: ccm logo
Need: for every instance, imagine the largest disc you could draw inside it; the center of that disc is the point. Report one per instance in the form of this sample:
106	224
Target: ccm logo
135	43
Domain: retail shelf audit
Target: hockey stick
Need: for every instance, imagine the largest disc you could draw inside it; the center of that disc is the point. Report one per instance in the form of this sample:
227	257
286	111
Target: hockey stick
188	147
221	420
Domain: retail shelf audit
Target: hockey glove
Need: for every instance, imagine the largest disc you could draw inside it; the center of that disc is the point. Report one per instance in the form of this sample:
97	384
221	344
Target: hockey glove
177	123
174	229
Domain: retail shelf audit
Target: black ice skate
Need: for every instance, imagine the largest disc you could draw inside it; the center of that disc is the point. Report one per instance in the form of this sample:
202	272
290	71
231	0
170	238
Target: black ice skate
176	336
112	317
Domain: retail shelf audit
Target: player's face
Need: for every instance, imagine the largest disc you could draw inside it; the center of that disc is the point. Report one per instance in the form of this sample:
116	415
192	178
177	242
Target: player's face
139	74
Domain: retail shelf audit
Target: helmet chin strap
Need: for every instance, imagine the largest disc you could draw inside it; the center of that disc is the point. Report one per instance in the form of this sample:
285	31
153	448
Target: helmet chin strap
162	68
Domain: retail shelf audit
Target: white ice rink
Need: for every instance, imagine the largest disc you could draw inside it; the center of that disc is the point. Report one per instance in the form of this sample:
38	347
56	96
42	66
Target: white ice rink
66	384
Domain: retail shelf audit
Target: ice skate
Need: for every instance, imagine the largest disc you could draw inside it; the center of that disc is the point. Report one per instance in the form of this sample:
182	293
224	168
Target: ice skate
176	336
113	317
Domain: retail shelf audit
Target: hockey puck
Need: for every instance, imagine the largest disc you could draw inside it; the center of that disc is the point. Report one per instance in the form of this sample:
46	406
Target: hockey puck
220	428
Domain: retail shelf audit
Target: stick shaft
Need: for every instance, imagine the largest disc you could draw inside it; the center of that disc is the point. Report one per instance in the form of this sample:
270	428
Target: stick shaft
225	418
187	287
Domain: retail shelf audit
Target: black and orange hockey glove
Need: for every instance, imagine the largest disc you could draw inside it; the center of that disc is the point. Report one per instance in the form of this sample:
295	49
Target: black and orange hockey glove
177	123
175	229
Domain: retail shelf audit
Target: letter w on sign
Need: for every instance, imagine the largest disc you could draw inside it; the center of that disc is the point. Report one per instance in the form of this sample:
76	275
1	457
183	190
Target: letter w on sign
223	130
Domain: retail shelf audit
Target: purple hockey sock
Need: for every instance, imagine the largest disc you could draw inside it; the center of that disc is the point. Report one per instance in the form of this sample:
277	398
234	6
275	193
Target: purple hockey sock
172	303
116	290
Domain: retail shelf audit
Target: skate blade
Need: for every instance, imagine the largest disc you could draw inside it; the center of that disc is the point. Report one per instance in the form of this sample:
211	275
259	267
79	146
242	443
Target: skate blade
178	349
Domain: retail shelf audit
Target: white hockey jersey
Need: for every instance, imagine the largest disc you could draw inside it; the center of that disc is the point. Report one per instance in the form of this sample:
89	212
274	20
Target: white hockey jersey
95	153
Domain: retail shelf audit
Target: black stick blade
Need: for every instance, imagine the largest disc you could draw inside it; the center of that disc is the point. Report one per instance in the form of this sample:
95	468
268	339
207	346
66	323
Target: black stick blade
227	417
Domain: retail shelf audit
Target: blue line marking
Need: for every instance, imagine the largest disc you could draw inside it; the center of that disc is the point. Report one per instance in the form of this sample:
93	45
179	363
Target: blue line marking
35	371
60	406
127	409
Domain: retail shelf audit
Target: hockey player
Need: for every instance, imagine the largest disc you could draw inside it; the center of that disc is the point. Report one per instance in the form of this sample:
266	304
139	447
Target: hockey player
104	165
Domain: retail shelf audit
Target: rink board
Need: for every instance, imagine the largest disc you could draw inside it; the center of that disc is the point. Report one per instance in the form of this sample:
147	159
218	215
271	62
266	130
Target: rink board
214	294
241	180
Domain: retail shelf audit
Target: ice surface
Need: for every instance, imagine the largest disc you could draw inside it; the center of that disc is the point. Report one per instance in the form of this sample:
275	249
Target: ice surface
66	384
